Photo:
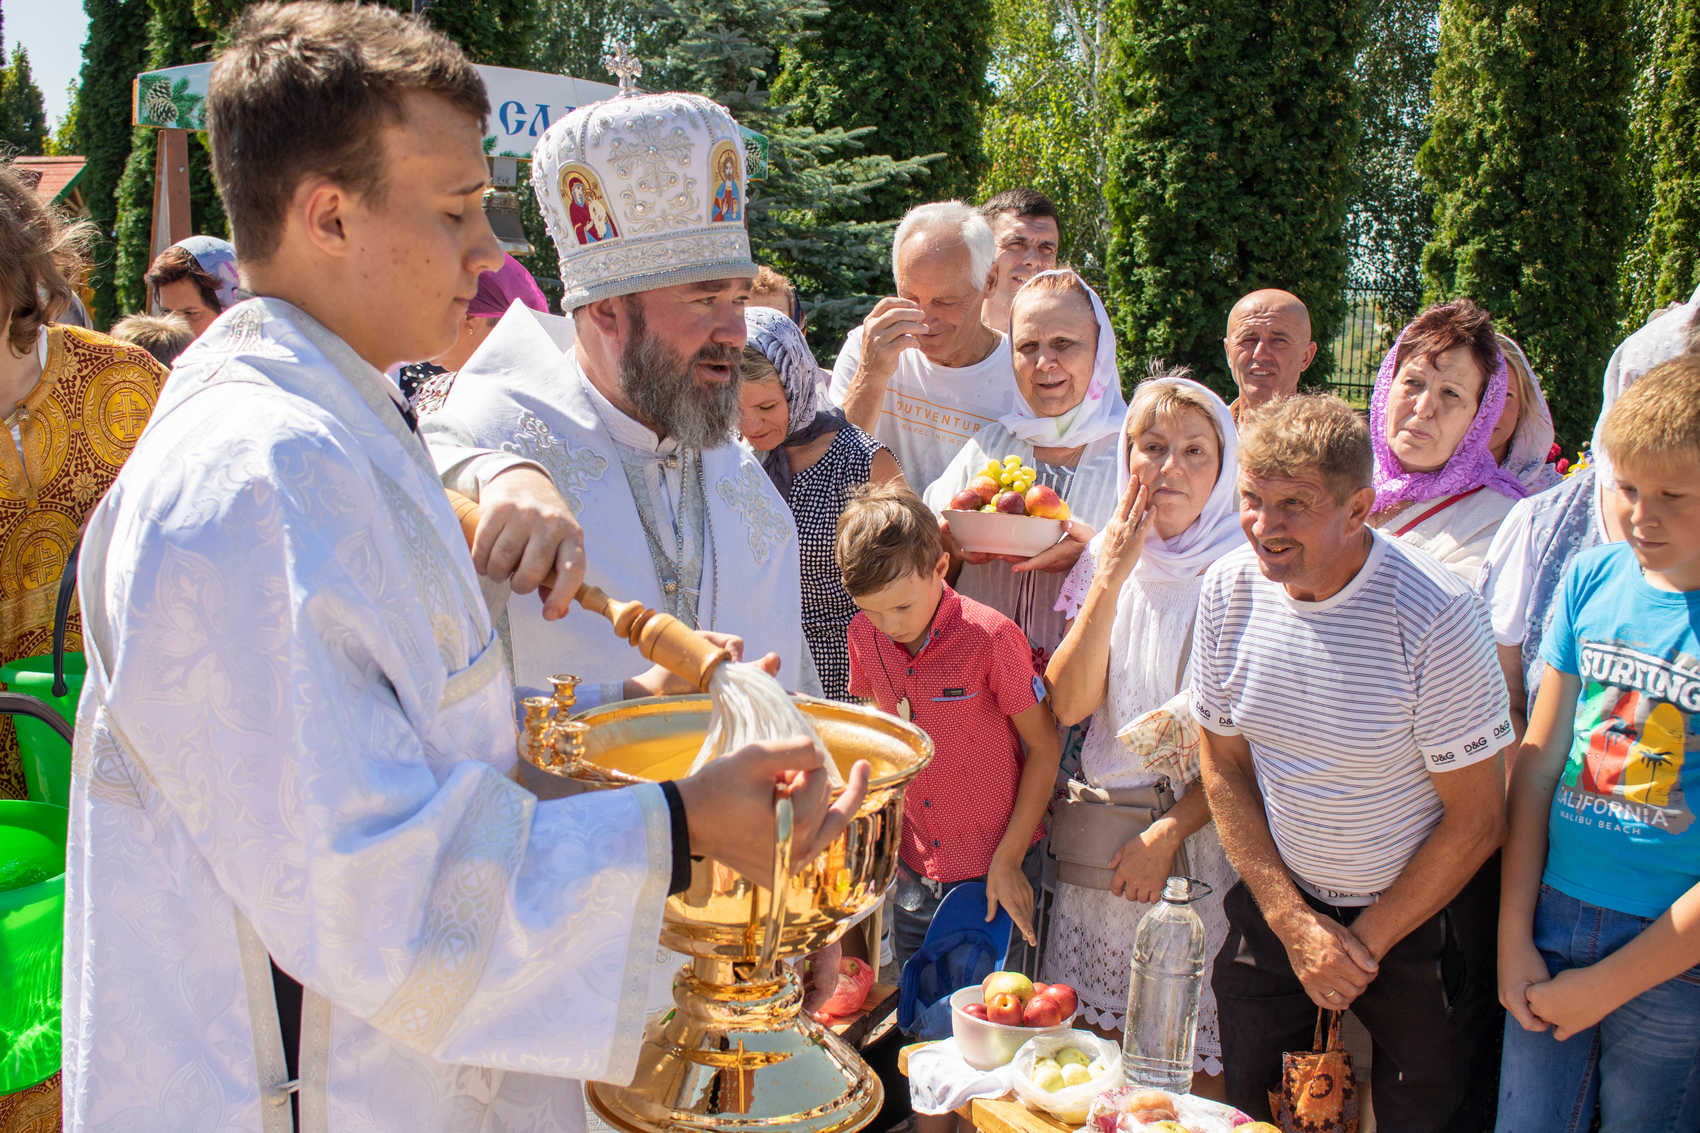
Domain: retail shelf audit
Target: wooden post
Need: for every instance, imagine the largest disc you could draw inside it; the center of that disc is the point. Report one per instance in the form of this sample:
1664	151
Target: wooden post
170	194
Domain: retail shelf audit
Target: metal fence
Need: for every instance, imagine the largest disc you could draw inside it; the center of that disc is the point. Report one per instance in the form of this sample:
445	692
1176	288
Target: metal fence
1373	316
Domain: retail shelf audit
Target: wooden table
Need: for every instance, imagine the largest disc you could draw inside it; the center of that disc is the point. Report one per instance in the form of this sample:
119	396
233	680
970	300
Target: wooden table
996	1115
878	1006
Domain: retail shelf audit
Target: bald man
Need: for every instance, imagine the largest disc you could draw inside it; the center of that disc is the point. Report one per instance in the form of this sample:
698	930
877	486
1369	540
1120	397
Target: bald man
1268	346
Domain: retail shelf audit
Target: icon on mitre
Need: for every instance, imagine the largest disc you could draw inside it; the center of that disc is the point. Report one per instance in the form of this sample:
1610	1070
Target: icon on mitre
728	204
587	206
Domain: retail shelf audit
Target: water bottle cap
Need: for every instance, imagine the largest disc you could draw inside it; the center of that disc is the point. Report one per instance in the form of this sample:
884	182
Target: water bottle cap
1185	890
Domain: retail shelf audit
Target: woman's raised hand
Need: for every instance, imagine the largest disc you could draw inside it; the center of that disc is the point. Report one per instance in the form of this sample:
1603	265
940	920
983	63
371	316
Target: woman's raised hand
1124	537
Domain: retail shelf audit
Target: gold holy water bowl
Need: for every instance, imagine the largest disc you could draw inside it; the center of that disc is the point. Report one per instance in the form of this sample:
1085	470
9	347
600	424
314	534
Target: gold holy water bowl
737	1053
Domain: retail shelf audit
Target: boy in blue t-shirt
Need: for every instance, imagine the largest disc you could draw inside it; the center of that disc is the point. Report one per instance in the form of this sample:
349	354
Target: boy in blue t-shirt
1599	925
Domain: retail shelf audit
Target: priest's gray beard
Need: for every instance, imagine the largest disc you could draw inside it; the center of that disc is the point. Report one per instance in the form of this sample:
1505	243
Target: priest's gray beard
661	386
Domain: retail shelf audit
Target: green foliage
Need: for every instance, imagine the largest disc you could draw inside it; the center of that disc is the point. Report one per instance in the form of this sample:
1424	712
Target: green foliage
493	32
63	143
23	114
175	37
1049	129
1230	170
116	49
1526	163
916	72
804	219
1392	217
1673	258
1651	27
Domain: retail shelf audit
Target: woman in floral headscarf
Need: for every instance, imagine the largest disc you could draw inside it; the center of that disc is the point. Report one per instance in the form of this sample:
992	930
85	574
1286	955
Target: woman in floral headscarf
1438	397
814	456
195	278
1522	441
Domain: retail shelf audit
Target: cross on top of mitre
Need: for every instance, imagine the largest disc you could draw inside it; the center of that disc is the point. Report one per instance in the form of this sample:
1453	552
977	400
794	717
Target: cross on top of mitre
624	65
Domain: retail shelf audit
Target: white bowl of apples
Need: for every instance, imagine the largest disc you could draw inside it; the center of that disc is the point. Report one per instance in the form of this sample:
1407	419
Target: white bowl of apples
1003	512
995	1019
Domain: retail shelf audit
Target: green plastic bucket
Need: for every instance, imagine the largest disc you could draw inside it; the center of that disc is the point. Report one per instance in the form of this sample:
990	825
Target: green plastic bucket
32	941
47	758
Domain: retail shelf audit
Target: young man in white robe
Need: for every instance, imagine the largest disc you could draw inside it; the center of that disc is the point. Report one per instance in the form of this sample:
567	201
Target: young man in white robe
631	403
303	888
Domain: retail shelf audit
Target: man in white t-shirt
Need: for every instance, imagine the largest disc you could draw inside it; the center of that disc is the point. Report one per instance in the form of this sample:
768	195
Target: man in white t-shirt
1353	720
923	373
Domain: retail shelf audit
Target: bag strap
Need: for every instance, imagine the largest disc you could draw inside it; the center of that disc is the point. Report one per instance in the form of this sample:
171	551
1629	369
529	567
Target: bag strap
1437	509
1332	1042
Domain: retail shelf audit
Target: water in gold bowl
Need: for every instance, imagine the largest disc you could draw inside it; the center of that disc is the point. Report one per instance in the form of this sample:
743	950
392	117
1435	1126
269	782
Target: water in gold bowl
737	1053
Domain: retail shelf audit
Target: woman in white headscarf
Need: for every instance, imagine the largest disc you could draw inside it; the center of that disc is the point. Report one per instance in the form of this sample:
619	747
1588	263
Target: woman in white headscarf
1065	428
1131	600
1523	437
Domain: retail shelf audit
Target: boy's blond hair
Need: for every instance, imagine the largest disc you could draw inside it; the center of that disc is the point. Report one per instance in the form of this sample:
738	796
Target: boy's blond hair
1657	420
163	336
885	533
1312	430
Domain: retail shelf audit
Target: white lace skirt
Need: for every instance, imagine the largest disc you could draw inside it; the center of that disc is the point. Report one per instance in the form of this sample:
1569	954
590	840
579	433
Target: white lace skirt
1091	945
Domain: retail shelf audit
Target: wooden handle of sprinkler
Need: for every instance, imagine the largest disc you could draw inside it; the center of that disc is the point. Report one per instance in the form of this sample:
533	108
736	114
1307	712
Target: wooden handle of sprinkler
659	637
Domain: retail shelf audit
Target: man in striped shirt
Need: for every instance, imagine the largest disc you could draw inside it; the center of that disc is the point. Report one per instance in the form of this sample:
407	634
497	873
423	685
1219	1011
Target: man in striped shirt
1353	717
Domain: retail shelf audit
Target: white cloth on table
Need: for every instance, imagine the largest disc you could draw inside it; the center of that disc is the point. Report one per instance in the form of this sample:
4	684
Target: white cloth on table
1092	930
1459	534
1348	704
1029	599
295	739
940	1081
929	409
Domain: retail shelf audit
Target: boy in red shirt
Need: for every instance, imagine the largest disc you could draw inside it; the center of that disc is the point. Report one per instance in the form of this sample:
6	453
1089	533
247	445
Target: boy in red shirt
962	673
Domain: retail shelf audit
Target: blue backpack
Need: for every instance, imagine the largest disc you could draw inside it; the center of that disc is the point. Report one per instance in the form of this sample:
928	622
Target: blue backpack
961	949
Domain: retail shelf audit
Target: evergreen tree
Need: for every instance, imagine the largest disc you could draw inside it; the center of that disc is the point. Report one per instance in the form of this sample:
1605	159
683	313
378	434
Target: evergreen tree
1526	162
726	49
1049	127
175	37
1652	27
63	143
1675	220
116	49
1392	217
915	72
1230	169
494	32
23	114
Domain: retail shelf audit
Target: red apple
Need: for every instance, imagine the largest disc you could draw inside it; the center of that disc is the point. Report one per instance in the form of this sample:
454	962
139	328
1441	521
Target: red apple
1043	1011
1004	1008
975	1011
1044	503
1011	503
966	500
985	487
1065	997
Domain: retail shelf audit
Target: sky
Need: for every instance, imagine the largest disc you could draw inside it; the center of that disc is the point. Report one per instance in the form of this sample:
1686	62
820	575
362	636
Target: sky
52	31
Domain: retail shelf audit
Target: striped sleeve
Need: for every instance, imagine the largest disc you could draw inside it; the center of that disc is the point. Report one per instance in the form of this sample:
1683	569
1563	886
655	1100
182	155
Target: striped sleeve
1210	704
1462	711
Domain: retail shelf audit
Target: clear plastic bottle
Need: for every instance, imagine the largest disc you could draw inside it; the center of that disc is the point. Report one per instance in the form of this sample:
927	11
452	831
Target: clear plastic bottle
1164	990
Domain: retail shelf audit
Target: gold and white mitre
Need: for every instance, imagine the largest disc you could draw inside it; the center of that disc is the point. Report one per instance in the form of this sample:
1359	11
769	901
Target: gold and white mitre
641	192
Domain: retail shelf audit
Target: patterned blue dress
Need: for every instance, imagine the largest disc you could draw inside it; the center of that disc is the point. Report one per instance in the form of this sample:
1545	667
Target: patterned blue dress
817	498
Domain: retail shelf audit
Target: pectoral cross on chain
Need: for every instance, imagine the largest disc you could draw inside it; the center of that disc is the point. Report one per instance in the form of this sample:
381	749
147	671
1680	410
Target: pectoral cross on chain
625	66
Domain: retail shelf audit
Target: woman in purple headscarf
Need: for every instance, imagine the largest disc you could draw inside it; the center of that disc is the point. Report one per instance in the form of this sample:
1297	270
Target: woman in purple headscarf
426	384
1440	392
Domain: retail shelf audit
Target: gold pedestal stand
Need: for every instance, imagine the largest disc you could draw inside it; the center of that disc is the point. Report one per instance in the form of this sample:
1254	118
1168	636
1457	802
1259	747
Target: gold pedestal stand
737	1052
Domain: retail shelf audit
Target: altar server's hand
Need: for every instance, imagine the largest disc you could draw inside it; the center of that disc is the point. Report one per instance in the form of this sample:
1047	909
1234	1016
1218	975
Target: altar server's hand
729	805
526	530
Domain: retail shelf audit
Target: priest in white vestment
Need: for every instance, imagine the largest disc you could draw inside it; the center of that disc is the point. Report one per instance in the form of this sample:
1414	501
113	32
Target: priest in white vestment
631	404
295	744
